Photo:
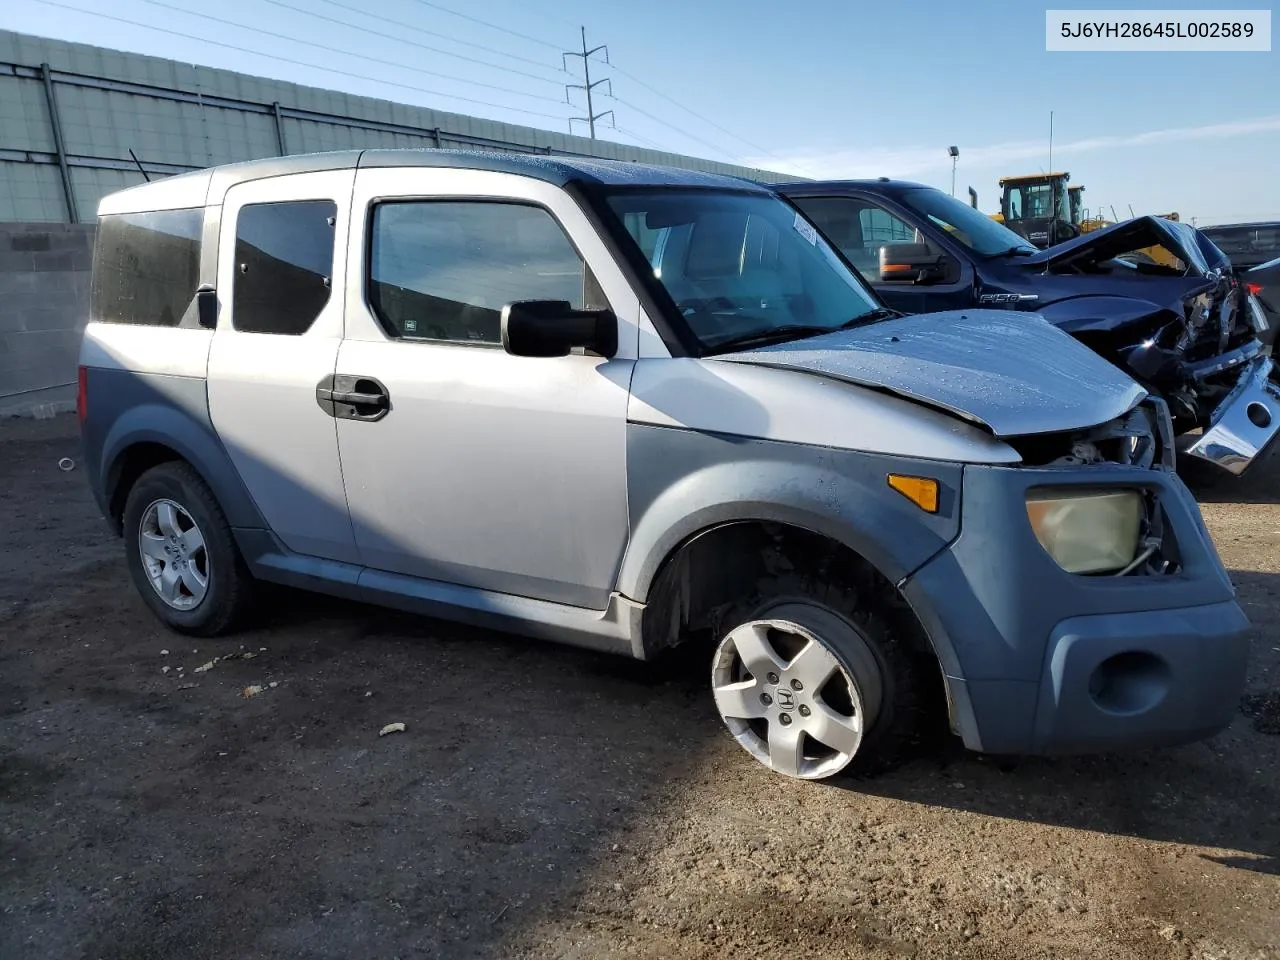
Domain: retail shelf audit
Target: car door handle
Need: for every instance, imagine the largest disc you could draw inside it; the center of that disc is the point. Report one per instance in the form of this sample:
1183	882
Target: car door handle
348	397
354	398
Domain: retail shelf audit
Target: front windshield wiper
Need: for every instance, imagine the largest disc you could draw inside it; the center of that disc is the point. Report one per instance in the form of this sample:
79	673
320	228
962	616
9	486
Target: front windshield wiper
871	316
763	338
799	331
1019	251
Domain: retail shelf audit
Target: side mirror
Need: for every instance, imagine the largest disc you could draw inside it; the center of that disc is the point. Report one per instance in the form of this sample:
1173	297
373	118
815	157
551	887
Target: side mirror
552	328
912	263
207	306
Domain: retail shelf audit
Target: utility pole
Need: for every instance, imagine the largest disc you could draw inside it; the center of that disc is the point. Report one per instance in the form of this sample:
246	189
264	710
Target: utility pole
586	85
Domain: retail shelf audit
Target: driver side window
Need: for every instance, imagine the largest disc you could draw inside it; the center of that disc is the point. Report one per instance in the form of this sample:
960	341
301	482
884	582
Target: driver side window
444	269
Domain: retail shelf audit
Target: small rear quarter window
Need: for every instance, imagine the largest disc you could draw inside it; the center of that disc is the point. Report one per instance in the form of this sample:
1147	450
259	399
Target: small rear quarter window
146	266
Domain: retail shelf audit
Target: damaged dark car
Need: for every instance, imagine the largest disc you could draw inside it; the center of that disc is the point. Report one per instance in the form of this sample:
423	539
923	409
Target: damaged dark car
1155	297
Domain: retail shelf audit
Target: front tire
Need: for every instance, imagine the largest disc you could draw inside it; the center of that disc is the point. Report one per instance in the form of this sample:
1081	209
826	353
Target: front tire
181	554
812	682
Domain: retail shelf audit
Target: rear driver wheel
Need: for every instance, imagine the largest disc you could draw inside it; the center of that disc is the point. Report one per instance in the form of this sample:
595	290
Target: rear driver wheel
181	554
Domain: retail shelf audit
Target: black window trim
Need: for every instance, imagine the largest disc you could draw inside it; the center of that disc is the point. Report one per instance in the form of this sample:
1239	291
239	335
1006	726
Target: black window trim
366	269
334	261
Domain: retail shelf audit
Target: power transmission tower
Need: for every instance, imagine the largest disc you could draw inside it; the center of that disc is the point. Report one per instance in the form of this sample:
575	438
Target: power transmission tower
586	85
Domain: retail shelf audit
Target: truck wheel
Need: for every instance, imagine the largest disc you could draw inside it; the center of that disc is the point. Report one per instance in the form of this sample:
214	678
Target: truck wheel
180	552
810	684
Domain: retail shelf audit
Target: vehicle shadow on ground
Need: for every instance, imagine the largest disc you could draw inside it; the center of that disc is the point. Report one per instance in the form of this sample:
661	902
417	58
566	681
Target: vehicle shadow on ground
1199	795
524	769
1204	794
1210	484
522	765
1213	793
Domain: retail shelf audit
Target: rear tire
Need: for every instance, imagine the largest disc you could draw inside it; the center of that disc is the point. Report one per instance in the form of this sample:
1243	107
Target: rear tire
872	705
181	554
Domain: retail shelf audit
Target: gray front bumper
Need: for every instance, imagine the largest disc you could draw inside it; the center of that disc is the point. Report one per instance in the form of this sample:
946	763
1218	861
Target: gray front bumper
1037	660
1245	422
1145	679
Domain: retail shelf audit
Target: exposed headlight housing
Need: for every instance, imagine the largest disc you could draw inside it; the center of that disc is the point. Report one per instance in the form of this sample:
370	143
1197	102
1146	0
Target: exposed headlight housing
1087	531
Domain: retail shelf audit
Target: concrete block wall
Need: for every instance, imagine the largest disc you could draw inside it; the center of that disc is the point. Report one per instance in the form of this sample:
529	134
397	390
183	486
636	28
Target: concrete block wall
44	302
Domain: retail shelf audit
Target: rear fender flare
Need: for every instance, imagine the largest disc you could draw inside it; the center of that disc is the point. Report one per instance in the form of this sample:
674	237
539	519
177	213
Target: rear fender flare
189	439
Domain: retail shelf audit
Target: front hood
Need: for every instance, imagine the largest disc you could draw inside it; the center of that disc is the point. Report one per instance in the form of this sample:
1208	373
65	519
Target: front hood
1181	239
1013	373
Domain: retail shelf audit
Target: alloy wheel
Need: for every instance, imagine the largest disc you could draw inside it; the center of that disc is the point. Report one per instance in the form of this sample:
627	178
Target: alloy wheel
788	700
174	554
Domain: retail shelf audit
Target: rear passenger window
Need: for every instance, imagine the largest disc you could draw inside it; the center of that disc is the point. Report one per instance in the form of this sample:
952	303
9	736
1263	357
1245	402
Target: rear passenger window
284	265
443	269
146	266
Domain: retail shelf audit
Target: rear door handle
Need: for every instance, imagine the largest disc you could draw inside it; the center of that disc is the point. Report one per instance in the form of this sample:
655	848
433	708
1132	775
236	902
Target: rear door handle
348	397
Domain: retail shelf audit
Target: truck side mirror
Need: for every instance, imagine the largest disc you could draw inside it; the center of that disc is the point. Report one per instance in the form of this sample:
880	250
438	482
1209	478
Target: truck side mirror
552	328
912	263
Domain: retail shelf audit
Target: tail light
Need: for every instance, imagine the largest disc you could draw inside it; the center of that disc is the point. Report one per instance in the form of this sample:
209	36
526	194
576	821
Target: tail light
1254	288
82	392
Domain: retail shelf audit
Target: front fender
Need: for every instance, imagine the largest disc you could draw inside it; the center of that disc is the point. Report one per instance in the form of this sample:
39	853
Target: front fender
683	482
1099	312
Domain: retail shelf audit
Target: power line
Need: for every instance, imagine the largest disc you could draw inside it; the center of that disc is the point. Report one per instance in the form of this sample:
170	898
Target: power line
442	36
685	133
486	23
300	63
411	43
694	113
643	139
338	50
682	106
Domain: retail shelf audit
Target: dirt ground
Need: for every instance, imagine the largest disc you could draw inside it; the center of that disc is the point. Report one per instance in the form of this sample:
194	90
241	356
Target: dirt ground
545	802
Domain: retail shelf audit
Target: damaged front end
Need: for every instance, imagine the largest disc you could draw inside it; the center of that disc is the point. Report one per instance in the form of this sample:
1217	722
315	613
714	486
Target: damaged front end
1175	315
1142	438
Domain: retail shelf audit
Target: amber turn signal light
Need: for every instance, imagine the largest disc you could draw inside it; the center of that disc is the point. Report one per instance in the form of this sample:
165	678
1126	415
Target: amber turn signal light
921	491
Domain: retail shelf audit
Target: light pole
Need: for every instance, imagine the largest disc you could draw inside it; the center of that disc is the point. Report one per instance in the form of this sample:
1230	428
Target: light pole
954	154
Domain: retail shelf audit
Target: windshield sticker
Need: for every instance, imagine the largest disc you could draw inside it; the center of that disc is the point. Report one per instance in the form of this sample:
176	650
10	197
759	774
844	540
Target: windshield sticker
806	229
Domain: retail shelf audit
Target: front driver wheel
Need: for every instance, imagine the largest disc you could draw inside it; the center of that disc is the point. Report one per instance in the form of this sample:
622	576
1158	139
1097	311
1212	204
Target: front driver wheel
807	690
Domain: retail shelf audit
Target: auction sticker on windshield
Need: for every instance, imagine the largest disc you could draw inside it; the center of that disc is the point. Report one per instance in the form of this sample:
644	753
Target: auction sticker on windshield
1135	31
806	229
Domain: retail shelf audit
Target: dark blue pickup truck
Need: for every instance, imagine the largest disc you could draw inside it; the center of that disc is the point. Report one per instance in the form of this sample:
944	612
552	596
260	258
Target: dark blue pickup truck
1183	324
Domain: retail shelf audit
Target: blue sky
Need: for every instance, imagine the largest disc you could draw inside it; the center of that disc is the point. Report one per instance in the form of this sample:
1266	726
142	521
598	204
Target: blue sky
840	89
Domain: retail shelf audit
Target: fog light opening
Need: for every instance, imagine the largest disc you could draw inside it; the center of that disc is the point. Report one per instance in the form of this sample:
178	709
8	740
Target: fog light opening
1258	415
1129	683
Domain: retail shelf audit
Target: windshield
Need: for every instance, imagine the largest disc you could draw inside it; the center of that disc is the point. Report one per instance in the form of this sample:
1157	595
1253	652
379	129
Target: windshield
742	265
1036	201
966	225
